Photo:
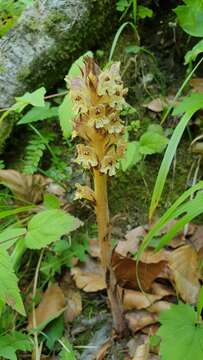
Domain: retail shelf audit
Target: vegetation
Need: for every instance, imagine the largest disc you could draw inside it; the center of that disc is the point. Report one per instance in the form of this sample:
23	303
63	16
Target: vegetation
78	272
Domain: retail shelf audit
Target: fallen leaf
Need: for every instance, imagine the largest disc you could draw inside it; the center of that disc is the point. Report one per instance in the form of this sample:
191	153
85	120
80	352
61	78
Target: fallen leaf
156	105
162	290
126	275
73	303
138	319
184	266
152	257
52	303
94	248
136	341
137	300
197	84
133	238
197	238
159	306
89	276
26	188
142	352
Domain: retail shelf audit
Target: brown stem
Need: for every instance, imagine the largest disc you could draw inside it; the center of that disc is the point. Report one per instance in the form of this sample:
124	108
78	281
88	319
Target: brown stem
102	215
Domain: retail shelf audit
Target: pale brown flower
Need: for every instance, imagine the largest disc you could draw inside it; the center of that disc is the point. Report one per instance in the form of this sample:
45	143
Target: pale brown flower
84	192
86	156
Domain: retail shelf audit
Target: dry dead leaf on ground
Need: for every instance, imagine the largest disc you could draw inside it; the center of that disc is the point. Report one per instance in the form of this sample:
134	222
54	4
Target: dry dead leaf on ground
197	84
133	238
149	256
162	290
125	271
89	276
94	248
26	188
197	238
137	300
101	355
142	352
156	105
159	306
52	303
138	319
184	266
73	303
134	342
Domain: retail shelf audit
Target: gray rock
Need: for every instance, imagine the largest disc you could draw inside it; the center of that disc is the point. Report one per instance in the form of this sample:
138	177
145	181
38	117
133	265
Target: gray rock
47	38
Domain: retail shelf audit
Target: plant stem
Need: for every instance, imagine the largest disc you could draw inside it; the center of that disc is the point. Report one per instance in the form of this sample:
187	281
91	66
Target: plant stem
102	215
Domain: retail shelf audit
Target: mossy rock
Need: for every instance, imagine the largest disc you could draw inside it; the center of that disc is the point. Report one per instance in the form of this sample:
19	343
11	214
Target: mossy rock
47	38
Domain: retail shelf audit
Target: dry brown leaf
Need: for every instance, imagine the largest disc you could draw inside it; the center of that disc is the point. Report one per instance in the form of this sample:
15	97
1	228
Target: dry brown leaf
162	290
142	352
52	303
133	238
197	84
26	188
152	257
137	300
159	306
156	105
89	277
138	319
126	275
184	266
197	238
94	248
134	342
73	302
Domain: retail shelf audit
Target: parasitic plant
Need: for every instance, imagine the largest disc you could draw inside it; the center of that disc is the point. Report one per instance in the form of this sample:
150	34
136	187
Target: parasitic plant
98	98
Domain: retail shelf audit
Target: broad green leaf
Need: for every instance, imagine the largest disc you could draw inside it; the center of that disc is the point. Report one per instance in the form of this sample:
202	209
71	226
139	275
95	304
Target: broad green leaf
122	5
194	52
39	114
51	201
190	17
66	115
9	292
144	12
156	128
67	352
152	143
188	106
181	336
48	226
54	332
75	69
132	156
200	304
36	98
9	236
12	342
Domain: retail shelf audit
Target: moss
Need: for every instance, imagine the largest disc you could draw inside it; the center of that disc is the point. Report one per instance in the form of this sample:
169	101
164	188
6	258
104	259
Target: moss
55	17
23	73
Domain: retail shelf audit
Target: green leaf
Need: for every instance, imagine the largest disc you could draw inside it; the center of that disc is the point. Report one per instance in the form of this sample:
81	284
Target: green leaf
188	106
12	342
67	353
54	332
144	12
152	143
190	17
194	52
9	236
48	226
36	98
132	156
156	128
122	5
200	304
51	201
182	337
9	292
39	114
66	115
133	49
75	69
7	213
168	216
